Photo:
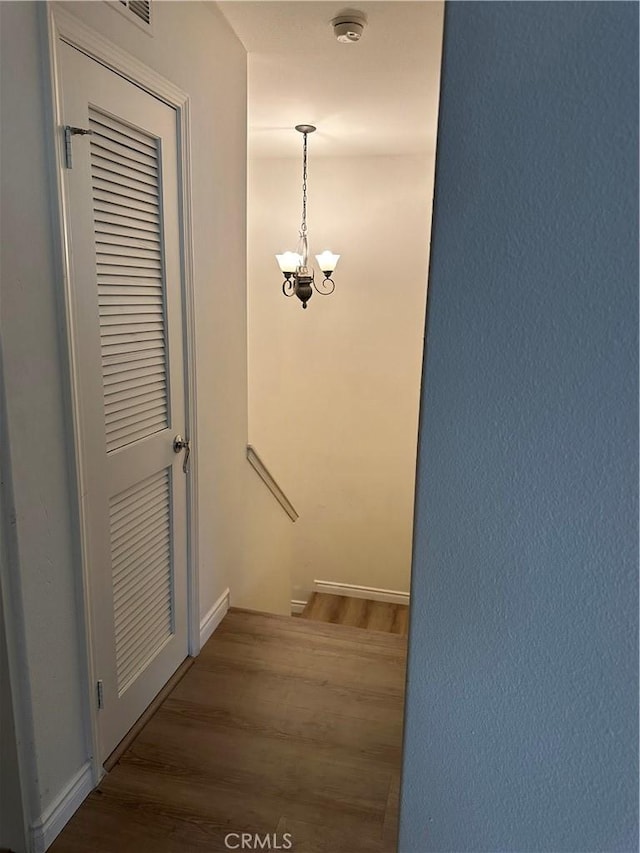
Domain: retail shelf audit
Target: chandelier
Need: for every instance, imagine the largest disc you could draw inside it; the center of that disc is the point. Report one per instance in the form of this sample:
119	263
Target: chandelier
298	277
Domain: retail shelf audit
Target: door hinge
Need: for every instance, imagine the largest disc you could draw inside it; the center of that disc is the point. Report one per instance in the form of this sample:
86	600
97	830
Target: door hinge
100	692
70	131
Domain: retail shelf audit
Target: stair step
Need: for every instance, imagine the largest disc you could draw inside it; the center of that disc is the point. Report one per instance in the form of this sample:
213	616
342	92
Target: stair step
290	626
359	613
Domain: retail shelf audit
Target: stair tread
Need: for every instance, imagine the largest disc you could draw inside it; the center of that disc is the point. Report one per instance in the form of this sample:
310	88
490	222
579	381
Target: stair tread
291	624
359	613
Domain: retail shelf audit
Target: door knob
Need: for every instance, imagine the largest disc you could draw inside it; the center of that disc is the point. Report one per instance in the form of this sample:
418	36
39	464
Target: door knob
180	443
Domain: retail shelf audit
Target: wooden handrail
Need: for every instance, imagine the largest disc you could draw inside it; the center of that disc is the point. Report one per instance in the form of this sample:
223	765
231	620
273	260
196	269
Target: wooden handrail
265	475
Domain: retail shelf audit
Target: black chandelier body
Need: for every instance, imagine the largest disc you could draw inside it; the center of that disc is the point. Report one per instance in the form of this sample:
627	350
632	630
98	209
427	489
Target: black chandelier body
299	278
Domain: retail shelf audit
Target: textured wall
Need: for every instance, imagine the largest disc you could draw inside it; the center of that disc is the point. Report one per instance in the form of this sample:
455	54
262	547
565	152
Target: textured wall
522	700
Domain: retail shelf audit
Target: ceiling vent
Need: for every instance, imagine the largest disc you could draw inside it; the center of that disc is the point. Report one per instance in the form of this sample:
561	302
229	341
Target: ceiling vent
137	11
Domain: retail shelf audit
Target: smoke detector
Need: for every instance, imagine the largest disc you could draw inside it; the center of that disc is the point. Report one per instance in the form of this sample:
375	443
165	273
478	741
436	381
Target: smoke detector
348	27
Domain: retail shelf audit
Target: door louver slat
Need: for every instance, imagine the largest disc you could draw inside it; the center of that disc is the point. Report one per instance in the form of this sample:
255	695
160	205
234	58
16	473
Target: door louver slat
129	265
137	289
148	619
128	568
149	509
153	593
150	644
116	343
132	251
123	273
106	176
127	297
147	573
143	241
117	333
109	223
148	627
148	502
141	8
126	419
105	137
121	173
124	212
135	497
105	127
130	356
123	405
132	173
142	573
121	537
120	194
131	546
123	379
111	405
110	282
147	428
115	159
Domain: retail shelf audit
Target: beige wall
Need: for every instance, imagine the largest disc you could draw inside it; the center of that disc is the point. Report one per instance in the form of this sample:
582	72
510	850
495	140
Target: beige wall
193	47
334	390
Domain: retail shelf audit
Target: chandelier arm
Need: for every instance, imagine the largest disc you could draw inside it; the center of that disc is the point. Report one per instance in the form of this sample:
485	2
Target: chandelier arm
325	287
288	287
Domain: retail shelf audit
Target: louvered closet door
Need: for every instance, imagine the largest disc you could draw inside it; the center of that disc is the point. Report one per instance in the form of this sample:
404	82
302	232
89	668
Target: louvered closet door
125	250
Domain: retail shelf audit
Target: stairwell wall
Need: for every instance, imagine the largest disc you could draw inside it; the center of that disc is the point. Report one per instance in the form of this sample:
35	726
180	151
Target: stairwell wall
334	389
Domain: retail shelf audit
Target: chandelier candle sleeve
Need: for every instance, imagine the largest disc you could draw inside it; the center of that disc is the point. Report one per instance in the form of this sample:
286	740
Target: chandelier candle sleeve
299	279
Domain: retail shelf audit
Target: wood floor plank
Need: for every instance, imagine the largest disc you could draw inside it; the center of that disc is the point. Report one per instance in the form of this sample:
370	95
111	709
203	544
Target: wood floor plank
280	724
392	813
255	684
320	838
362	738
291	657
400	620
382	615
355	612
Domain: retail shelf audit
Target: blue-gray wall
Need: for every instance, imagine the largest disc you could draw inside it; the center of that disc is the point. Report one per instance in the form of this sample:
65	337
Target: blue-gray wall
521	730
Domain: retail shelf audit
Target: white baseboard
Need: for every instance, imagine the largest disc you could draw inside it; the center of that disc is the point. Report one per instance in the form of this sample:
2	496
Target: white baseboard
214	617
390	595
297	606
46	829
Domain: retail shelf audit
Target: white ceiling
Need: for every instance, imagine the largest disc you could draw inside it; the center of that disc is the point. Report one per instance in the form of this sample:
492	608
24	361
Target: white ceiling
378	96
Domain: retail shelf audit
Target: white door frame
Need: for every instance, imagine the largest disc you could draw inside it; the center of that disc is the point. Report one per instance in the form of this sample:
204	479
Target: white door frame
59	26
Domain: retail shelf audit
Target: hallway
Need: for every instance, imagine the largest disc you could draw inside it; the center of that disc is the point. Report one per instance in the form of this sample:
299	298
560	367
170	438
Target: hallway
280	726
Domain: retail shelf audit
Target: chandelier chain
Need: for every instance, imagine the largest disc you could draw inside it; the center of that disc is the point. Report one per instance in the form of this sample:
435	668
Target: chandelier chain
303	227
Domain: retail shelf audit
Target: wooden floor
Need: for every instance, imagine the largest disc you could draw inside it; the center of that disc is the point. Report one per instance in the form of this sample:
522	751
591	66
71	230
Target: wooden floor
282	725
357	612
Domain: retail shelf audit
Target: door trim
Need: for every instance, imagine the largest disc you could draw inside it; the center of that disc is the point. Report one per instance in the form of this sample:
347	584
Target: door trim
59	26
